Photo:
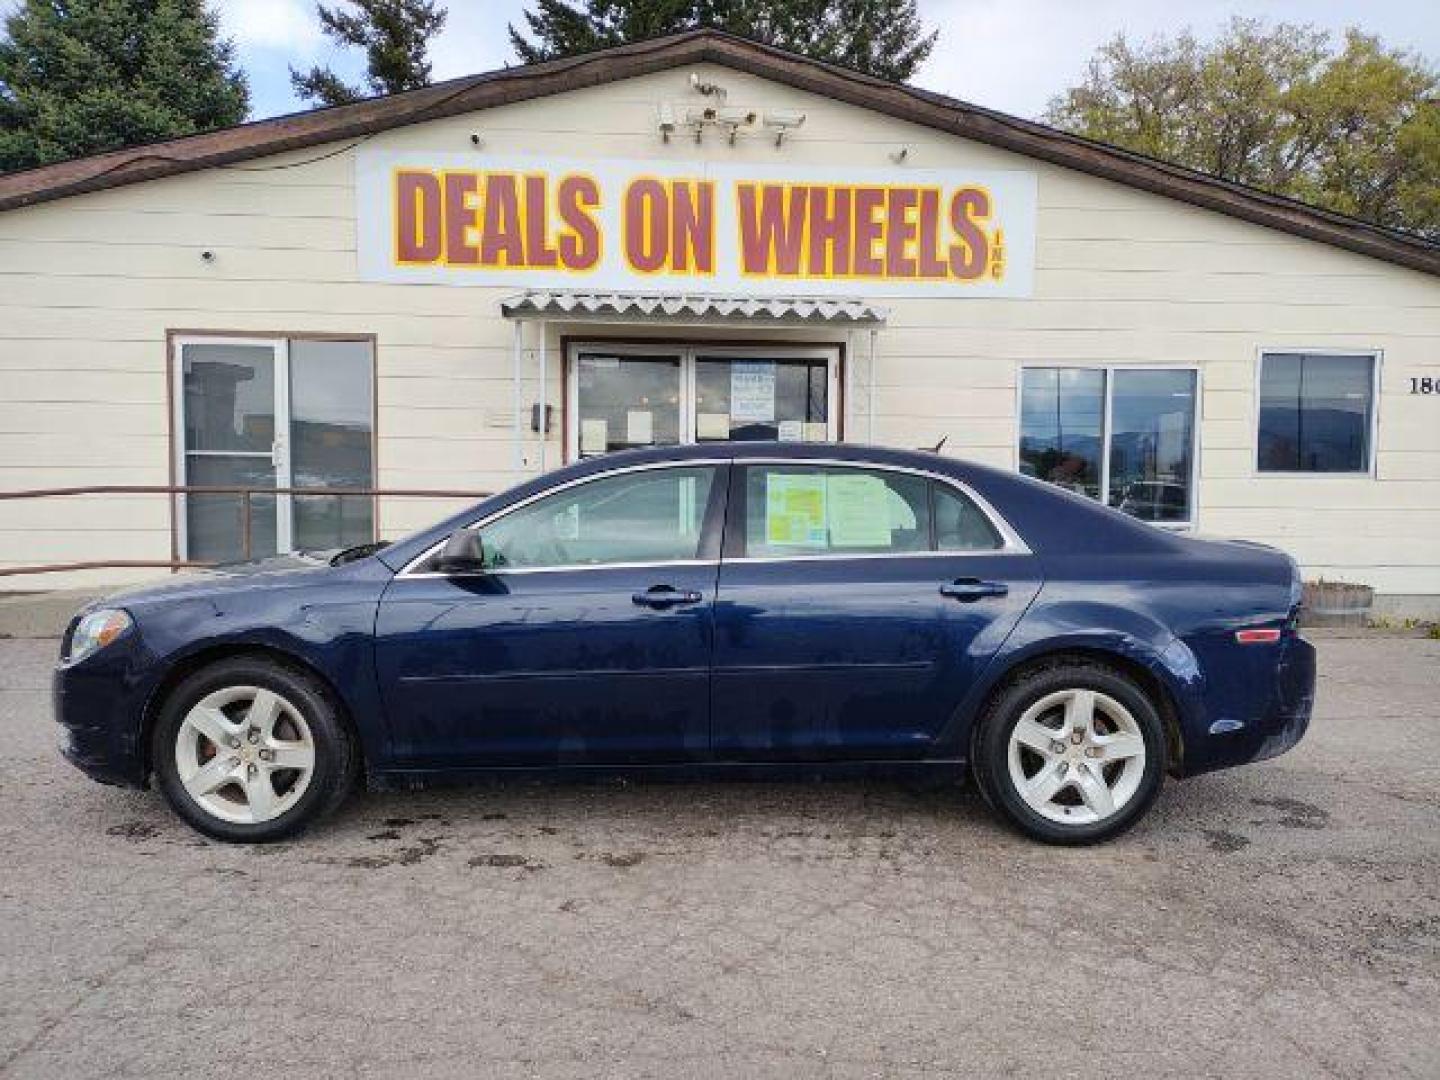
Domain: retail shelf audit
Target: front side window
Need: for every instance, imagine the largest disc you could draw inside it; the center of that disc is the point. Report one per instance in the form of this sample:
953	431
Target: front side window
1315	413
1124	435
646	516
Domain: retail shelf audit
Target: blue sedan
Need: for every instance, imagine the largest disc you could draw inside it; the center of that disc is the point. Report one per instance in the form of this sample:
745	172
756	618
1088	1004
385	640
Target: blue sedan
745	609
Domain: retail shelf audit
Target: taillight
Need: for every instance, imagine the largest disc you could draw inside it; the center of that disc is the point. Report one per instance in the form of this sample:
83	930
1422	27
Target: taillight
1263	636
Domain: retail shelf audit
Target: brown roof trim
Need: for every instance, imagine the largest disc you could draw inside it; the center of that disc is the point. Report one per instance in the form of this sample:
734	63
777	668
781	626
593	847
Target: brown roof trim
472	93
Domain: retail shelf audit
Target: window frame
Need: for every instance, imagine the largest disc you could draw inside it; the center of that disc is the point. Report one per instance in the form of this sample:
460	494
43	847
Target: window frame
1107	424
734	549
711	526
1372	432
280	342
688	353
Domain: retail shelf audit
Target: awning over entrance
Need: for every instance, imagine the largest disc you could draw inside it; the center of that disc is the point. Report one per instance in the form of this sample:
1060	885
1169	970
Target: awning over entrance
541	307
699	308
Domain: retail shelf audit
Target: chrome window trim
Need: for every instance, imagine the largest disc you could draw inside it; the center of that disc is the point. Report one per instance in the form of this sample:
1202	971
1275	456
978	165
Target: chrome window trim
1011	541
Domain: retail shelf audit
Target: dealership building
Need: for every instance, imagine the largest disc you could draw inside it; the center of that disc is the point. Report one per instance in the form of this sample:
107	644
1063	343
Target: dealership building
692	239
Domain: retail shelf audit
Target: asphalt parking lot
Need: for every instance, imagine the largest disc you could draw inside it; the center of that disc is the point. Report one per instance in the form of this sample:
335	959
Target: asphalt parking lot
1280	920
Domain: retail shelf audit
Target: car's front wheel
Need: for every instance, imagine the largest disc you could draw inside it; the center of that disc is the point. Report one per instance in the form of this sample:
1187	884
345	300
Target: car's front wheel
247	750
1071	753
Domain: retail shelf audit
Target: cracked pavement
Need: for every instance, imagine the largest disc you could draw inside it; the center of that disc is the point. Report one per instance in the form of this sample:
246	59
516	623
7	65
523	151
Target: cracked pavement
1277	920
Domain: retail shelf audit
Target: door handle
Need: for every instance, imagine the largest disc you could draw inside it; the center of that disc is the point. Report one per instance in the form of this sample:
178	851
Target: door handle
665	596
968	589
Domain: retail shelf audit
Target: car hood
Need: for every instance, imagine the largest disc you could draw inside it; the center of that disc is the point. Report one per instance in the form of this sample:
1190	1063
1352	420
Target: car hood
219	578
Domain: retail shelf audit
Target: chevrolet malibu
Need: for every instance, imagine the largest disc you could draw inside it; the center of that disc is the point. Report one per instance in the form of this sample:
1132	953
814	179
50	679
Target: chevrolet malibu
736	610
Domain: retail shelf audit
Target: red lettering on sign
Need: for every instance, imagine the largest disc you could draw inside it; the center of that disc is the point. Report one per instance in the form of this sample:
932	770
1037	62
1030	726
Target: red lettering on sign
502	241
538	250
693	211
868	203
772	227
970	255
900	236
461	216
580	242
829	231
417	217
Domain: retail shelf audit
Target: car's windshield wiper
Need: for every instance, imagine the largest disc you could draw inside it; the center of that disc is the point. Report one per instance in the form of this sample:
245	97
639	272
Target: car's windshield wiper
359	551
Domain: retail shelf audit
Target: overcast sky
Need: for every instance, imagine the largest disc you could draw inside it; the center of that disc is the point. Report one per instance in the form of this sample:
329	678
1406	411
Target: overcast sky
1011	55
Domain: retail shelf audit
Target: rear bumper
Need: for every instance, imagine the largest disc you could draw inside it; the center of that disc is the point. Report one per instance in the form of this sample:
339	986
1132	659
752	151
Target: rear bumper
1277	717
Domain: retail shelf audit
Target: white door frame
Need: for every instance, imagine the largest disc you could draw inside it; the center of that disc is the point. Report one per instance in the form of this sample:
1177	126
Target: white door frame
279	450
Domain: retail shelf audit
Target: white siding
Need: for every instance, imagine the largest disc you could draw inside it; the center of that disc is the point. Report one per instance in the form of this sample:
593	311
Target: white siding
90	285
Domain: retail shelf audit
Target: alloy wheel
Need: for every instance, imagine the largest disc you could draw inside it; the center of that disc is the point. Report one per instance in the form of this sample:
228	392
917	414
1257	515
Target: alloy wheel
1077	757
245	754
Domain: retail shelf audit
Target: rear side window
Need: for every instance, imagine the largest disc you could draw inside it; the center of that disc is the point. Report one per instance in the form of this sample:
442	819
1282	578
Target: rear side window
823	510
960	525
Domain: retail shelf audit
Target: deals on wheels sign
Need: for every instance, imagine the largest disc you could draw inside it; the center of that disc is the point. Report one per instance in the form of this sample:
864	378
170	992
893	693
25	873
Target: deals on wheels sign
614	225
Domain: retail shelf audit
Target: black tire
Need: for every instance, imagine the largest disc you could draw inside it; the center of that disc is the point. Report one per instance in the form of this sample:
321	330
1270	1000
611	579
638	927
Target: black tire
336	759
991	749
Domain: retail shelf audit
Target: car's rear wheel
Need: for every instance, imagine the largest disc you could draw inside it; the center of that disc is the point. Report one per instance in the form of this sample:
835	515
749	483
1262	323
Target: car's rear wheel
1071	753
248	750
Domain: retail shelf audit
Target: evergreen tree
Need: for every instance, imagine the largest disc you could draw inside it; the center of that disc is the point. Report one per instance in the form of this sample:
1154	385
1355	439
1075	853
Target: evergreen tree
879	37
82	76
395	35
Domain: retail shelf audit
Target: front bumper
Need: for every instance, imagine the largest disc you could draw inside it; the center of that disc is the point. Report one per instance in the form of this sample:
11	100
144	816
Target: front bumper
99	705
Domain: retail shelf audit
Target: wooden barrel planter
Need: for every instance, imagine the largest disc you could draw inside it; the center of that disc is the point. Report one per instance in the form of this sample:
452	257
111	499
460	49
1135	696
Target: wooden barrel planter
1336	603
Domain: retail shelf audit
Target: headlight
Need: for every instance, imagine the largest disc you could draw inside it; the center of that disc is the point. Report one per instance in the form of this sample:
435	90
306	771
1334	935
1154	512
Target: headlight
95	631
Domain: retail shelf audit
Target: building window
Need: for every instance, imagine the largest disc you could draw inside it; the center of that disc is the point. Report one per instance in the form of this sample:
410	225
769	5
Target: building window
633	395
1316	413
1122	434
274	413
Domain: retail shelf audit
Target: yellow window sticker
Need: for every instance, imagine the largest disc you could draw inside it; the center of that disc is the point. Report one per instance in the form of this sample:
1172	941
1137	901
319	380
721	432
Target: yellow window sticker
795	509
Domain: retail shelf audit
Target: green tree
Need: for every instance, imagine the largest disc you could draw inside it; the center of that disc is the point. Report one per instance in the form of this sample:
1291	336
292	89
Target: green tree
82	76
879	37
1352	126
395	35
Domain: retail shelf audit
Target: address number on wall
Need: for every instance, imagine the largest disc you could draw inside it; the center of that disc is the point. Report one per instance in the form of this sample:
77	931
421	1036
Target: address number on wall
1426	385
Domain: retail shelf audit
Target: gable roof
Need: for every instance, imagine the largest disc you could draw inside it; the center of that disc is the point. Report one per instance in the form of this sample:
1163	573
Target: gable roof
476	92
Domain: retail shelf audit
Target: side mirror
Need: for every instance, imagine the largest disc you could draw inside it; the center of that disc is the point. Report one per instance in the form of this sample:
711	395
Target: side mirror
463	553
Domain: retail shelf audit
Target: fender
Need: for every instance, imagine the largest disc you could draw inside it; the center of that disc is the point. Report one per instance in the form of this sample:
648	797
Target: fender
326	626
1058	625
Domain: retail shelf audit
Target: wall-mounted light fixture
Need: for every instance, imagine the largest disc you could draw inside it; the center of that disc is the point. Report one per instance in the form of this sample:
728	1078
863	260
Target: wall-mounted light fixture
733	119
665	120
900	156
475	140
696	117
709	89
782	122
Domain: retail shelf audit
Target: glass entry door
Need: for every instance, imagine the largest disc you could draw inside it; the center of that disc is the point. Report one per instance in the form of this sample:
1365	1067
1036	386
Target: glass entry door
623	396
265	414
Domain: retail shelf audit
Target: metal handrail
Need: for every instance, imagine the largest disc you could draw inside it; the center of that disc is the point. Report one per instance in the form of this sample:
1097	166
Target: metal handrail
246	495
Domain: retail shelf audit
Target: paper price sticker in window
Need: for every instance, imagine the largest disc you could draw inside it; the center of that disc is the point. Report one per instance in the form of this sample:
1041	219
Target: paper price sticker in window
795	510
860	513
